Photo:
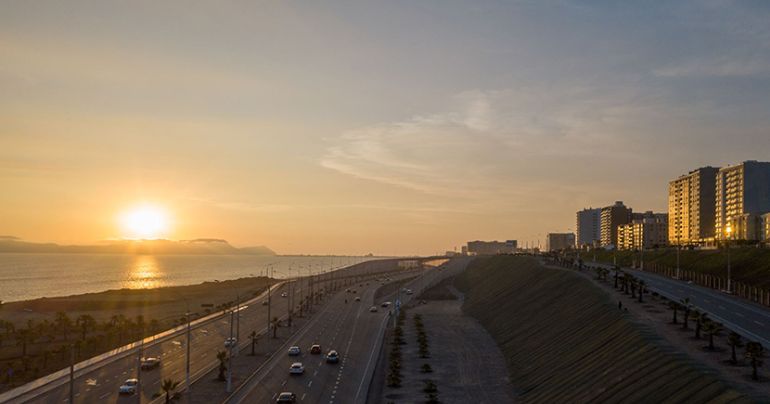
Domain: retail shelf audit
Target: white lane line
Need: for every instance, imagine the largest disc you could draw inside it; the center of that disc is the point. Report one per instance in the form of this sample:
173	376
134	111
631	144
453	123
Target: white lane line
758	323
315	373
274	395
310	383
303	396
283	383
103	396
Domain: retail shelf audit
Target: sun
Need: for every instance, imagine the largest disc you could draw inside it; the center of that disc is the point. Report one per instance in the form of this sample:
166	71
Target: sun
144	222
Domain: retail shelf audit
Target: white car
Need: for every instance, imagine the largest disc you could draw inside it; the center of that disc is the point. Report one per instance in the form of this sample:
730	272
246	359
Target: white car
129	386
409	291
284	294
231	342
373	309
150	363
385	304
294	351
297	368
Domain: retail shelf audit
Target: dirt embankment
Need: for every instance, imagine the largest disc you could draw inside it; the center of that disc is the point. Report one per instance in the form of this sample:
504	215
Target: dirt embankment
565	341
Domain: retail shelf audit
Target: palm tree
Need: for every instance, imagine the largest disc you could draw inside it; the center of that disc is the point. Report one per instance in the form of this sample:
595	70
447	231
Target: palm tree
275	323
755	352
222	357
85	322
642	285
63	323
24	337
686	307
254	338
734	340
712	328
674	306
168	386
617	271
633	283
696	316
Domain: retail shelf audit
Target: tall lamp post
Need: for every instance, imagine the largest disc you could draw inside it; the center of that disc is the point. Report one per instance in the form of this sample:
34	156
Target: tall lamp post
678	249
729	231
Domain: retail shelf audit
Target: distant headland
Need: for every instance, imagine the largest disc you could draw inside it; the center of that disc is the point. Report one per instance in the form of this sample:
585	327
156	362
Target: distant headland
203	246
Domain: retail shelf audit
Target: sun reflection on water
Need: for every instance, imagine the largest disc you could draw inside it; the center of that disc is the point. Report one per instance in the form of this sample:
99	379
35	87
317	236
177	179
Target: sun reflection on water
144	273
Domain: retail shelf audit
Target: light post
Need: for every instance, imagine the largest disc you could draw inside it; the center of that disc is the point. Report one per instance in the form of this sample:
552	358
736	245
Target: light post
230	344
139	373
729	231
72	373
269	299
678	249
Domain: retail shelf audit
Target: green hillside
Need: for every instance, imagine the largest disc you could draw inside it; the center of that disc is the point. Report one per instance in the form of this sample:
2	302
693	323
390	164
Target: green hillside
750	265
565	341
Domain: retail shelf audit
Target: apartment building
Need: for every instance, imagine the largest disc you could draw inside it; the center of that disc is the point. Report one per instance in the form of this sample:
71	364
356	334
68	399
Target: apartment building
647	230
692	206
559	241
491	247
612	217
589	226
742	196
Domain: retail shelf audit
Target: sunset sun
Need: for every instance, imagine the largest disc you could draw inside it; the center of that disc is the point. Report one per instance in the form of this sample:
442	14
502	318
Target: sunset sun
144	222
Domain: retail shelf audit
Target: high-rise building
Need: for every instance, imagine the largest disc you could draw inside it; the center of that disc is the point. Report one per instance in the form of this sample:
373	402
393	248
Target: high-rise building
742	192
691	207
612	217
589	226
491	247
559	241
648	230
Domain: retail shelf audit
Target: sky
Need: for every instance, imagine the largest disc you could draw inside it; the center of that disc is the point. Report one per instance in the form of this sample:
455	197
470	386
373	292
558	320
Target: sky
349	127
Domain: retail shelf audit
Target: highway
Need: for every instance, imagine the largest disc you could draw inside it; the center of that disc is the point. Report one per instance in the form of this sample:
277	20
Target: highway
350	329
748	319
99	383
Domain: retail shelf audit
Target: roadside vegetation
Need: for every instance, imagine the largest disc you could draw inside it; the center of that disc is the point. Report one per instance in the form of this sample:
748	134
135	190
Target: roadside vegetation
566	340
394	357
750	265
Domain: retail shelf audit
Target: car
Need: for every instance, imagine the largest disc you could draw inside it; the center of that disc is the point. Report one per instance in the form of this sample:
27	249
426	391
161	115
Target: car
294	351
409	291
347	290
284	294
385	304
354	292
315	349
373	309
358	299
296	368
231	342
150	363
286	397
129	386
264	303
332	357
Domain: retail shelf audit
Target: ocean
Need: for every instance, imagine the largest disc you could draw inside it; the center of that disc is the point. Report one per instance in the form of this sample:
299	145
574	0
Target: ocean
31	276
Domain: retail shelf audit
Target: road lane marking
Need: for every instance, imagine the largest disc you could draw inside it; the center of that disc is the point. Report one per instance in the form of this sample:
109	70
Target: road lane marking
739	314
303	396
103	396
758	322
310	383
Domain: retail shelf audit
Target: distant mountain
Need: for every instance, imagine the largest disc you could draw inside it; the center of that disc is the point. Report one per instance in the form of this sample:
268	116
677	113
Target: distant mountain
201	246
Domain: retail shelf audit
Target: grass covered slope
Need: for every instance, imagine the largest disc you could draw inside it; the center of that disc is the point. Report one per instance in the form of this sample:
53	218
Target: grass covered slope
565	341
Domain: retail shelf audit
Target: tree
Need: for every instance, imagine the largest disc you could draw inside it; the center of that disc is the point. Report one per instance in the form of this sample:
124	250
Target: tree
617	272
754	353
63	324
24	337
712	328
168	386
85	322
633	283
674	306
254	338
275	323
222	357
734	340
642	285
699	318
686	307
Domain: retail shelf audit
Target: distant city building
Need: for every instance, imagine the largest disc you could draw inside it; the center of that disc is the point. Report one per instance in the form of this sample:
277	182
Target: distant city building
491	247
647	230
589	227
464	250
612	217
559	241
765	228
748	226
742	195
691	207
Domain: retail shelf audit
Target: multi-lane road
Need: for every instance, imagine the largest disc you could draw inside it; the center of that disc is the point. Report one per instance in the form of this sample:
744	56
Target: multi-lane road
99	383
746	318
350	329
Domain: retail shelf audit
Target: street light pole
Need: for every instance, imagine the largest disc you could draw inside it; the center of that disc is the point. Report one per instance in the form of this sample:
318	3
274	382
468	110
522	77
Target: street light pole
269	302
729	274
72	373
678	249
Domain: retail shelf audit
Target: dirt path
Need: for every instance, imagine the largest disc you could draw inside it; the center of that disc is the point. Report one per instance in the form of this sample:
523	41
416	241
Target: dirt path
467	365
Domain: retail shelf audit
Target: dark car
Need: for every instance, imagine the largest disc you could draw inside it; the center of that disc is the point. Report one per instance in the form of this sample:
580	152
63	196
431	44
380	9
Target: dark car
315	349
332	357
